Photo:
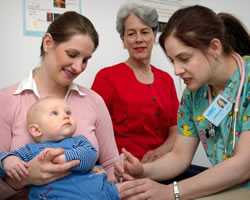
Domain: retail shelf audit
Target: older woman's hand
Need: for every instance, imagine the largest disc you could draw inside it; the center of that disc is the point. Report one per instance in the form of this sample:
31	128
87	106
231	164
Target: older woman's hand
155	154
145	188
45	170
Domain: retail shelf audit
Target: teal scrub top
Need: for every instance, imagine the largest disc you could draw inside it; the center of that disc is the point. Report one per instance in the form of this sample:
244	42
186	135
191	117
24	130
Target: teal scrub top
192	123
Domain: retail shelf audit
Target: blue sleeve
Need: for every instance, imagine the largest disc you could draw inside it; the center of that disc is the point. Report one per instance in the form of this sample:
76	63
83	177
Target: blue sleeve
83	151
4	155
2	173
25	153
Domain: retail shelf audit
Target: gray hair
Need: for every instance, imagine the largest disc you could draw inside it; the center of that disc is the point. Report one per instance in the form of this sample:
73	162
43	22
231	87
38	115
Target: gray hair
147	14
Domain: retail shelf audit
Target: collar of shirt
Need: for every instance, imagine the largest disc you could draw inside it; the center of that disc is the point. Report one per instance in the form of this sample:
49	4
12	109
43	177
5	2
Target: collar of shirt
229	92
232	86
29	84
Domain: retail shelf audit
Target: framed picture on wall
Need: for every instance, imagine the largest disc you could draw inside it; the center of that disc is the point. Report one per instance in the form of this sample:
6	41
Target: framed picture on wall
37	14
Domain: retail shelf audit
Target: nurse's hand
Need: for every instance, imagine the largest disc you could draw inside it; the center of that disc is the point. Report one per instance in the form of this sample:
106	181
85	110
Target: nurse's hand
130	168
145	188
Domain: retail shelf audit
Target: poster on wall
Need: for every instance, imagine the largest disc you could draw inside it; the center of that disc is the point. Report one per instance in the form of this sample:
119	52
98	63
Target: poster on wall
38	14
165	8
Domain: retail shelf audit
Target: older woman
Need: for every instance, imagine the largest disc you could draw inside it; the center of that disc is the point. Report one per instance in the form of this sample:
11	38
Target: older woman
141	99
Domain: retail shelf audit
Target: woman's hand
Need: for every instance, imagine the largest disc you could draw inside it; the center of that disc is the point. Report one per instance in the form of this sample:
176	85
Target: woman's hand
132	165
119	173
42	171
166	147
145	189
17	185
129	167
152	155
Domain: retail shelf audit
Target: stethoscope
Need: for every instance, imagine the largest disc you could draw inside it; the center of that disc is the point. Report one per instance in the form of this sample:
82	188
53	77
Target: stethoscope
240	64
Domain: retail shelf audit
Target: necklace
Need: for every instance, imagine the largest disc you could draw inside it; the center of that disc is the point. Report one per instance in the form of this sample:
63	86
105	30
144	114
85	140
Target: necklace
211	128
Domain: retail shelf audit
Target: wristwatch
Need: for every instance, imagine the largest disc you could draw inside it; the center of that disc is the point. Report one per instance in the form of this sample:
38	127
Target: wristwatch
177	195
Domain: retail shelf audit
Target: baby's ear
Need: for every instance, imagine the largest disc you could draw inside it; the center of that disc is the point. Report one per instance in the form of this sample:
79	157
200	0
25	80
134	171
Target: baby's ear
34	131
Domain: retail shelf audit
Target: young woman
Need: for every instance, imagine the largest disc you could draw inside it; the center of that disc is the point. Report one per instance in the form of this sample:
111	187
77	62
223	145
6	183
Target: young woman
66	48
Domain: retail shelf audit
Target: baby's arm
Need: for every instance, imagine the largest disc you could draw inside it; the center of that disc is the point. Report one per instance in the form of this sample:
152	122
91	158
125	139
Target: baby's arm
83	151
58	160
15	168
80	149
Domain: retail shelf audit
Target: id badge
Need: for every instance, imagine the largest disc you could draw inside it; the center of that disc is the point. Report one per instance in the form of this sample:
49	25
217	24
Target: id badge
217	110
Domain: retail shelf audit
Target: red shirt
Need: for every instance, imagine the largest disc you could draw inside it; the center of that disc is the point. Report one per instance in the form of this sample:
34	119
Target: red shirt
141	113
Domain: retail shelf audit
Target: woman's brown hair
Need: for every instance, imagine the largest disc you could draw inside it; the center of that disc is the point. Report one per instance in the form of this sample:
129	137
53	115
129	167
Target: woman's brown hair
197	25
69	24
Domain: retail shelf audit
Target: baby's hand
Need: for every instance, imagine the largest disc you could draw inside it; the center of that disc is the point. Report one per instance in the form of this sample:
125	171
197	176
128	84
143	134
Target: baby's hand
15	168
98	170
59	159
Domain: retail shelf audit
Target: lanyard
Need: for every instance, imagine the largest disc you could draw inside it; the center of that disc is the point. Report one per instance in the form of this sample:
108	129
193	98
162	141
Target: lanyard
240	64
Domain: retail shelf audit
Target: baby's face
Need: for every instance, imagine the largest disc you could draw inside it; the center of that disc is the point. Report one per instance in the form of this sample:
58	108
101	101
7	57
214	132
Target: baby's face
55	121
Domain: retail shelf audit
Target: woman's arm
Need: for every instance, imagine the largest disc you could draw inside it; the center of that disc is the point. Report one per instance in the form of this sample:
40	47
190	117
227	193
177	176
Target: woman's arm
42	171
108	152
173	163
169	143
163	149
45	171
230	172
168	166
5	190
6	117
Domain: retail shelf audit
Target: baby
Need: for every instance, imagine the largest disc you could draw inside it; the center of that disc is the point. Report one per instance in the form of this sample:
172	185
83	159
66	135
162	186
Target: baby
50	123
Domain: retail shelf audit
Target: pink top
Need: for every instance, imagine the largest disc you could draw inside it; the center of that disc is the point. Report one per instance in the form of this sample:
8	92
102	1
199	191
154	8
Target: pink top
88	108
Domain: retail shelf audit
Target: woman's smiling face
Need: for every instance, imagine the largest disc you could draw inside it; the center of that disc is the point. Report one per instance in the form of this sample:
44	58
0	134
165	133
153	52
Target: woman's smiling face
68	59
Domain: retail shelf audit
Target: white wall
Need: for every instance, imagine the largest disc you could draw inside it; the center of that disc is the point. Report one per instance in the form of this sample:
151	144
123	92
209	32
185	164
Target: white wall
19	53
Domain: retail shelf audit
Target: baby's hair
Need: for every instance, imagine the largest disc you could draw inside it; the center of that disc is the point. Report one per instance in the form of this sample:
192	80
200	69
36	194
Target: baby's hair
32	111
